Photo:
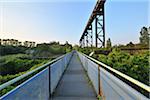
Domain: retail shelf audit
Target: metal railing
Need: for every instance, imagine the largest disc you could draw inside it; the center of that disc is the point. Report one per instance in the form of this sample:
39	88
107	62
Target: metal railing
42	85
108	85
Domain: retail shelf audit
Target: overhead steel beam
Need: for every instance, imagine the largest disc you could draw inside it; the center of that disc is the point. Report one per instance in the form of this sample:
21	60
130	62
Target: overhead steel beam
98	16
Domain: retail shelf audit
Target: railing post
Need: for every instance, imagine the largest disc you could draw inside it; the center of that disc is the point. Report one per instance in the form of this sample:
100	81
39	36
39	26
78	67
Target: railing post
49	81
99	88
100	93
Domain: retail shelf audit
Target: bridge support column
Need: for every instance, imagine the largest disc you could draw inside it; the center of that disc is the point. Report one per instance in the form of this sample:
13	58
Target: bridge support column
90	33
97	16
100	28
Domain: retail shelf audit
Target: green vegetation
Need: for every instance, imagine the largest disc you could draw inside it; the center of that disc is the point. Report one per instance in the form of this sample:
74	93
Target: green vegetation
2	92
131	59
108	43
12	66
136	66
144	38
86	50
7	50
15	65
99	97
51	49
17	60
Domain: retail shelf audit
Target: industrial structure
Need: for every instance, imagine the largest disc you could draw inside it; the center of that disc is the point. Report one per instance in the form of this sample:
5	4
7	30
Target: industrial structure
77	76
97	17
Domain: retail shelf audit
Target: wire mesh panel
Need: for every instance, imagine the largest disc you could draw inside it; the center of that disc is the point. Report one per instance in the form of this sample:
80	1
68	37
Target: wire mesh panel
36	88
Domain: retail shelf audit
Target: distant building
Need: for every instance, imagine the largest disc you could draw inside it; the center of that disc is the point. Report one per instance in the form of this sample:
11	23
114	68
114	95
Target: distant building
4	42
14	42
19	43
29	44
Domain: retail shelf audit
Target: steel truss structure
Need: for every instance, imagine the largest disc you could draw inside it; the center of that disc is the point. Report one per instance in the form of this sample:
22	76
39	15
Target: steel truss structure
98	17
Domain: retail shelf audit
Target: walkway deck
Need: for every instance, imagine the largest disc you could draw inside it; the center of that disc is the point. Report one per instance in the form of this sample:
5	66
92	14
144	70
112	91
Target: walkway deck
74	84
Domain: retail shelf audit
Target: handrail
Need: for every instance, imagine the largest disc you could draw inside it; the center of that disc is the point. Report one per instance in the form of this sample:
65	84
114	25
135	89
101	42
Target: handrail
28	73
136	82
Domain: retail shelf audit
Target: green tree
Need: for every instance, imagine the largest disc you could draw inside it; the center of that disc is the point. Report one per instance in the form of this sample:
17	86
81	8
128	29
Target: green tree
76	47
144	38
68	46
108	43
136	66
130	44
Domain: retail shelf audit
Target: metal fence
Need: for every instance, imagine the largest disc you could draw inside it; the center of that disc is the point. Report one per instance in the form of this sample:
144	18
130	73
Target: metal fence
41	85
108	85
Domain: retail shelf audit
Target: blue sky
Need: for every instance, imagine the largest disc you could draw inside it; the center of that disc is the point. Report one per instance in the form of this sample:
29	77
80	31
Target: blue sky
65	20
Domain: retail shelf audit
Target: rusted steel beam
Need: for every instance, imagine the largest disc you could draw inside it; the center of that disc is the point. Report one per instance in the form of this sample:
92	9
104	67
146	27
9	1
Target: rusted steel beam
97	11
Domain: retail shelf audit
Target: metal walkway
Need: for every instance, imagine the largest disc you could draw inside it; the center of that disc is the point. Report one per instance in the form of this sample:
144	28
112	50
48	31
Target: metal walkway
74	84
57	81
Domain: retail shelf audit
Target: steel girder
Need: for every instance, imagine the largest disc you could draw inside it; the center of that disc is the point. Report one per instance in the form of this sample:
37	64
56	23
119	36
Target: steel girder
100	29
98	16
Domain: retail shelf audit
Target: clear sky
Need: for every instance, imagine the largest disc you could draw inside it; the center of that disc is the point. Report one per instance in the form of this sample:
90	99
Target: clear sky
65	20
